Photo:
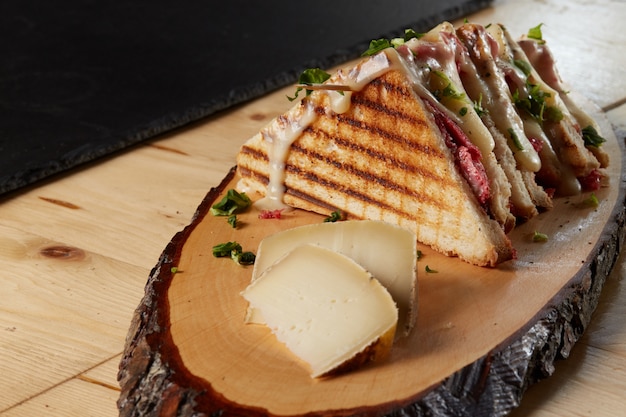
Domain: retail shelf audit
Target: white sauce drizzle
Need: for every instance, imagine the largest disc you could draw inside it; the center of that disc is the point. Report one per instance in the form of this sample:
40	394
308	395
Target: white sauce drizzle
504	113
280	136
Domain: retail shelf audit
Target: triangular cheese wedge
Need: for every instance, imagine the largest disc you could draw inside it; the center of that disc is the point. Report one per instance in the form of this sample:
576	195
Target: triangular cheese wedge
326	309
377	153
386	251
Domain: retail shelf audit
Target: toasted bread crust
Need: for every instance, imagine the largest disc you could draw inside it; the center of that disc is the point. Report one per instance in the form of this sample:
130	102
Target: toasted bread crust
383	159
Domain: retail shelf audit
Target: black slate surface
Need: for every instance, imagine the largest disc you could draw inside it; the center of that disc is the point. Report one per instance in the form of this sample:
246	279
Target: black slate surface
82	79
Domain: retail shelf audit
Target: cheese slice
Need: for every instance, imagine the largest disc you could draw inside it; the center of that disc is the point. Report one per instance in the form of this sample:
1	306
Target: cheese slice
387	251
327	309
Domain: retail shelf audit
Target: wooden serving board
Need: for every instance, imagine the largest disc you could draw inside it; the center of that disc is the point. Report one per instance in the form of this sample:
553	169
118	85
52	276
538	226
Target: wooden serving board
483	335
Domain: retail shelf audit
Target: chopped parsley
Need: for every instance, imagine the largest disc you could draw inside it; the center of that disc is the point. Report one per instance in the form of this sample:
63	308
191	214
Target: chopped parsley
591	201
591	137
245	258
430	271
535	33
225	249
523	65
232	220
235	252
411	34
309	77
377	45
233	202
446	89
540	237
478	106
515	139
535	104
334	217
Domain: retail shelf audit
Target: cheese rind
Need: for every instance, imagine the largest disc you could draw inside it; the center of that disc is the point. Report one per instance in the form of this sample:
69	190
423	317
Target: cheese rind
386	251
327	309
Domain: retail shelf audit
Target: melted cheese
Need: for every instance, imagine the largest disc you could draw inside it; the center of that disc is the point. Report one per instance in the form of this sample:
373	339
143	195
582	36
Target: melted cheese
439	50
280	136
388	252
324	307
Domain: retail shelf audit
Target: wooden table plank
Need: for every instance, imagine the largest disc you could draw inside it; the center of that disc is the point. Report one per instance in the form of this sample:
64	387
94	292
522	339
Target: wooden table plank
100	210
63	311
75	398
104	374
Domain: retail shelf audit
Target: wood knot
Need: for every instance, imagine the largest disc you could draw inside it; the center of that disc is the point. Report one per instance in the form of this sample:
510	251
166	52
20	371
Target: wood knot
62	252
258	117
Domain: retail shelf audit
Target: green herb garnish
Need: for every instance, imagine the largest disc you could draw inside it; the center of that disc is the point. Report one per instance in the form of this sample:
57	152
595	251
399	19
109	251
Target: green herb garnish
233	202
535	33
515	139
430	271
535	104
334	217
478	106
235	252
410	34
540	237
591	137
524	66
245	258
377	45
224	250
446	89
309	77
591	201
463	111
232	220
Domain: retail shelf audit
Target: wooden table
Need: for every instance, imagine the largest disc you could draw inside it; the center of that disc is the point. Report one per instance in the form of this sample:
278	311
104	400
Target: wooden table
76	250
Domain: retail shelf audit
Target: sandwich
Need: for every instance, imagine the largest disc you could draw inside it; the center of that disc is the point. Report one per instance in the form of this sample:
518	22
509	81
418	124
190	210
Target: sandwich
428	132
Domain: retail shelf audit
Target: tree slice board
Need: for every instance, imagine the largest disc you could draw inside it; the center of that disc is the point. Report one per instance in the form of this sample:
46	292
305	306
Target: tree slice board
483	335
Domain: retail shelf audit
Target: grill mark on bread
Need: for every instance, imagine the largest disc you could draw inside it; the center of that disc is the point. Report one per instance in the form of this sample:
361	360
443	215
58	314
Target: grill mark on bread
375	130
253	174
392	87
426	172
366	176
329	184
325	182
255	154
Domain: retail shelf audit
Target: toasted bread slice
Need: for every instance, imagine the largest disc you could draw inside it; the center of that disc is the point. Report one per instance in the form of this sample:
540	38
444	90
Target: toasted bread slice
382	159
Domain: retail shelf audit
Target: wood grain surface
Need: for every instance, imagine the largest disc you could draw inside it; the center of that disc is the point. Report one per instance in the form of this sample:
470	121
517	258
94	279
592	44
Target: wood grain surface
63	320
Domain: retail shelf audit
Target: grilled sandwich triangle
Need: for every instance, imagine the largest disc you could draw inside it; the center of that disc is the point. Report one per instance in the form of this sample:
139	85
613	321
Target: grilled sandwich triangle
452	134
375	152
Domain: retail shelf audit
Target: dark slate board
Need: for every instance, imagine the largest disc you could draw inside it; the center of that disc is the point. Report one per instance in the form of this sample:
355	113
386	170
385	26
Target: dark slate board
85	78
